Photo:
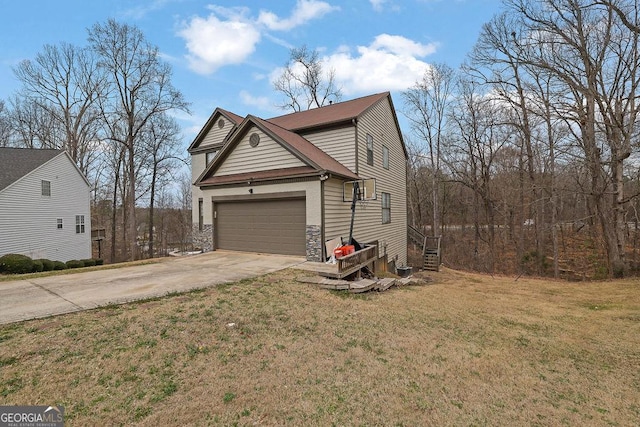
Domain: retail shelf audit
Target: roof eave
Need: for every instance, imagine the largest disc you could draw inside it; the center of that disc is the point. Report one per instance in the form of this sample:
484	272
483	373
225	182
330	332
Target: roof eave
260	180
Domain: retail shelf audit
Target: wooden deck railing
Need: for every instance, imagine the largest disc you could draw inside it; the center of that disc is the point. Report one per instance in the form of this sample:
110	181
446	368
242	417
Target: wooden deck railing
416	236
355	261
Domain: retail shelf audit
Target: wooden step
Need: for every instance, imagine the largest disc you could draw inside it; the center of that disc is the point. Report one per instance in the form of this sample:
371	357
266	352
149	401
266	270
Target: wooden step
385	284
431	262
362	285
326	283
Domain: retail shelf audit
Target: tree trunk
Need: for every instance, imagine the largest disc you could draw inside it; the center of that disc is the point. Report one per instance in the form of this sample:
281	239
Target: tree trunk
151	208
114	217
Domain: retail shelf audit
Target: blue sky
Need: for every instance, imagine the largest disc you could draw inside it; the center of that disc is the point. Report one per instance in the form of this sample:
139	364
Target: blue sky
225	53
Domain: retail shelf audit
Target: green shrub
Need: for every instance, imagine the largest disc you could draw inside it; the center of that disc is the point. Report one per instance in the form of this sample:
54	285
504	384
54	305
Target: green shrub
37	266
75	263
47	264
99	261
59	265
88	262
16	264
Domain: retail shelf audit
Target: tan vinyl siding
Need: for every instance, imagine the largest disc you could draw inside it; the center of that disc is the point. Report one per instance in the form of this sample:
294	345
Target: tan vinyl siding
28	220
338	143
215	134
368	226
268	155
379	123
197	167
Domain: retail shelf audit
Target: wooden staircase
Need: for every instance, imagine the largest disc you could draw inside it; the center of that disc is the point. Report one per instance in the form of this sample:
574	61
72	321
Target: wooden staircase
430	245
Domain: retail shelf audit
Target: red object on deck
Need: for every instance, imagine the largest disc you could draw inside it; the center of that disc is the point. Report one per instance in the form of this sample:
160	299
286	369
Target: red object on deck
348	249
337	252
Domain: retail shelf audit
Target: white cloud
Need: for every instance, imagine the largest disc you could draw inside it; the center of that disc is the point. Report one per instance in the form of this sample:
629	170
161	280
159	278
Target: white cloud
260	102
229	36
140	11
377	4
213	43
305	10
388	63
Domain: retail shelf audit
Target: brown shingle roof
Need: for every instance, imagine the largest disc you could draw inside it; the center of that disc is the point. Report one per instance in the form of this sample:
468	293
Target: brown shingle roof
309	152
17	162
284	128
328	115
232	116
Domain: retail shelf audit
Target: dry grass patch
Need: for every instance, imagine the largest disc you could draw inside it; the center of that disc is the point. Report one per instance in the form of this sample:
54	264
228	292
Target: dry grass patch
465	350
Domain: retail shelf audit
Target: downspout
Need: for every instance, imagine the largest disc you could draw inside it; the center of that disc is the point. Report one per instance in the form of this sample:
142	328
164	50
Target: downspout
322	218
355	124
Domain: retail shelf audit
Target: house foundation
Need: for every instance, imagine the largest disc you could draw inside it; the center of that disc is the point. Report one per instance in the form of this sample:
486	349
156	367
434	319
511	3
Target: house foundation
203	238
314	243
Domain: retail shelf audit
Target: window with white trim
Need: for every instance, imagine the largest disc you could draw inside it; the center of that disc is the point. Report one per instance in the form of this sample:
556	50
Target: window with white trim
386	208
79	224
46	188
200	215
59	223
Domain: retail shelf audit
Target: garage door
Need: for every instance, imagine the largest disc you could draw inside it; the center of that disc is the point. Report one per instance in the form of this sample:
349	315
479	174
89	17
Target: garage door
269	226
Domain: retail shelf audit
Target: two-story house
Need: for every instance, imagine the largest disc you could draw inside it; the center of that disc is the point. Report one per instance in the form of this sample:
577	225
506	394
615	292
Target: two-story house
44	205
277	185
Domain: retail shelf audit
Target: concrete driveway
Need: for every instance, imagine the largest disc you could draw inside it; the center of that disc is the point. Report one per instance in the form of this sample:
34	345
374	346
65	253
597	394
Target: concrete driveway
47	296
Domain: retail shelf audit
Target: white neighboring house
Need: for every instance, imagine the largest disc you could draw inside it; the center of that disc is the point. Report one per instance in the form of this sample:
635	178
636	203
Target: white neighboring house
44	205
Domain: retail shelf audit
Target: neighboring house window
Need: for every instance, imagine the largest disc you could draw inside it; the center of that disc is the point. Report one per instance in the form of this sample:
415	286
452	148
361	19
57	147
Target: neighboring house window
369	150
385	157
46	188
200	216
59	223
210	156
386	208
79	224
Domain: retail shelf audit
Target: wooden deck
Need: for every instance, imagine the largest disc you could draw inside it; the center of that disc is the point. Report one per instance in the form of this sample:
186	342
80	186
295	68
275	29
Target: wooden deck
344	266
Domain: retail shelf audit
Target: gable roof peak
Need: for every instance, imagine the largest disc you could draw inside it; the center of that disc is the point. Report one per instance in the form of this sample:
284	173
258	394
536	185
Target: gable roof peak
232	117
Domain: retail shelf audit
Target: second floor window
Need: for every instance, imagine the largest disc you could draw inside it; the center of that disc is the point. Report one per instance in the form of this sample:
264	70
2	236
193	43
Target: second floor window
46	188
369	150
385	157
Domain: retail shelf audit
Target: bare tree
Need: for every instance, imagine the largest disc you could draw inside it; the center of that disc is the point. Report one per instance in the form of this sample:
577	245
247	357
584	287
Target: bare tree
427	105
5	126
494	62
33	126
480	137
304	83
162	147
63	84
593	57
139	88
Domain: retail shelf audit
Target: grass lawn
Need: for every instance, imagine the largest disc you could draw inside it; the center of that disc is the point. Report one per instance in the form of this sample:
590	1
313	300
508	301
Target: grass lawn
464	350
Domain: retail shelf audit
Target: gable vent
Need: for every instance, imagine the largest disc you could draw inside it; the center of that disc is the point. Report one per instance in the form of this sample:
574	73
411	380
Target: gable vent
254	139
